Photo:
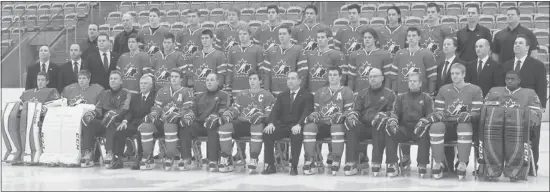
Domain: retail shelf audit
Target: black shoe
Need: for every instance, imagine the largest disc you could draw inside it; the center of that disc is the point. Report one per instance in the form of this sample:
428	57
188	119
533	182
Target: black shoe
270	169
294	170
135	166
116	164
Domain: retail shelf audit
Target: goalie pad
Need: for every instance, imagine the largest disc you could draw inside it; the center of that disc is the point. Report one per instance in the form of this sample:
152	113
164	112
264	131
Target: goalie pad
213	120
337	118
421	128
351	120
11	131
257	118
379	120
30	117
313	118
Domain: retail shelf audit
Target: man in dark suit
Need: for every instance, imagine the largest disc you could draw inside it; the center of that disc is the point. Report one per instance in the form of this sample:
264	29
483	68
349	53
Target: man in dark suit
140	105
287	120
102	61
44	65
444	66
533	76
483	71
90	43
69	70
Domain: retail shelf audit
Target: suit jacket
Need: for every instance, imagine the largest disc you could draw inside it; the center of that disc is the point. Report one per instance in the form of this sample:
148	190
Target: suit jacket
532	75
447	79
488	78
95	65
283	114
66	76
53	73
139	109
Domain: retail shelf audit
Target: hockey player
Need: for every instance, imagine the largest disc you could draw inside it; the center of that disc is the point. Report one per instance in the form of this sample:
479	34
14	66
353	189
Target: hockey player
110	109
174	108
245	118
503	140
281	59
305	34
243	59
82	92
393	35
371	56
332	103
372	109
412	110
267	35
456	105
319	60
433	33
348	39
132	64
228	36
165	60
210	106
208	60
189	39
153	35
15	131
414	59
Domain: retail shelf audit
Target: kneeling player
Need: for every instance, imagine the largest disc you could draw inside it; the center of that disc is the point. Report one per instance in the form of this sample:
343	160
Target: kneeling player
506	148
332	103
412	109
210	106
372	109
172	103
249	111
16	134
456	105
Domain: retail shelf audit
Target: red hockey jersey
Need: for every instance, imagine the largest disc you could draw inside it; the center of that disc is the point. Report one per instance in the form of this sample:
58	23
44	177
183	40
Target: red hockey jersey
39	95
248	103
361	61
393	41
521	97
162	64
307	35
406	62
76	95
277	63
200	64
267	36
433	36
318	64
328	102
452	101
349	39
132	66
189	41
169	100
242	61
227	37
152	41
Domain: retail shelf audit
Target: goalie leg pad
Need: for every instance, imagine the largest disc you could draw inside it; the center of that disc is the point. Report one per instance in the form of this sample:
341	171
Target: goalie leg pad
437	134
225	132
147	140
10	132
310	139
171	138
493	143
464	132
516	145
256	132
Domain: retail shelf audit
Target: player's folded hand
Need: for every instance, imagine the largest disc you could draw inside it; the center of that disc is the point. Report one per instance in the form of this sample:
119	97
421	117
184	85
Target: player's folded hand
313	117
464	117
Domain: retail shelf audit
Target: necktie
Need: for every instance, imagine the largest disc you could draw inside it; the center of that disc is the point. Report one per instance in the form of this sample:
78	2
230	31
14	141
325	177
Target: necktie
518	66
479	67
292	98
105	61
44	67
445	68
143	99
75	69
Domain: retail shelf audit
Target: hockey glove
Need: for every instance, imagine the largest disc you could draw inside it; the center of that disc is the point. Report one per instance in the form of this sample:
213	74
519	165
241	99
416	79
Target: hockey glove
171	117
437	116
187	120
87	118
379	120
421	127
212	121
313	118
337	118
257	118
227	116
150	118
44	110
351	120
464	117
109	118
392	126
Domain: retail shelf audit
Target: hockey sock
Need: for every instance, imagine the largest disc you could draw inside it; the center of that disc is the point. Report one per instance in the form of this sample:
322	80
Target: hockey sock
310	138
256	140
225	138
337	141
171	133
464	132
437	133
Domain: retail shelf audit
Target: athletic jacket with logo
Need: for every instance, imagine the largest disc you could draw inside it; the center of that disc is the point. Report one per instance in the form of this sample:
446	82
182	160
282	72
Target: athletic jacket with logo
371	101
411	106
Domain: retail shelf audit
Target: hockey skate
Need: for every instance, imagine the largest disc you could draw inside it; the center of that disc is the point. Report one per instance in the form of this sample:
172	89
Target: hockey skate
405	165
147	164
392	170
309	168
225	165
213	166
376	169
350	169
237	160
86	160
329	159
252	165
422	170
461	170
335	167
184	164
168	164
437	171
107	159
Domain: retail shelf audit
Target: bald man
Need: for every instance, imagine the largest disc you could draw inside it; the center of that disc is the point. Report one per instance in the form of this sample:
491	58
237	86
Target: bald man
90	44
44	65
70	69
120	44
483	70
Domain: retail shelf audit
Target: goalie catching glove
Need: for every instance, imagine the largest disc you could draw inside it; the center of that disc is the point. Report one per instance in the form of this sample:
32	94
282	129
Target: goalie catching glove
212	121
313	118
379	120
421	128
351	120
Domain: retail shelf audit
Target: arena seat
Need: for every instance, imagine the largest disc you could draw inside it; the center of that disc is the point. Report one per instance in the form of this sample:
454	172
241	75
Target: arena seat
261	13
165	24
143	17
462	21
70	20
382	9
489	8
43	21
196	5
282	11
405	9
145	25
119	28
141	6
339	24
125	7
454	8
57	23
136	26
500	21
285	4
5	33
204	14
449	20
126	3
222	24
154	4
82	9
105	28
343	12
211	5
288	22
527	7
542	21
543	7
162	15
7	9
113	18
132	13
31	22
472	4
56	7
247	14
183	15
254	25
16	32
43	9
505	5
178	26
208	24
172	16
19	9
368	10
225	4
413	21
69	7
294	13
182	5
378	22
255	4
363	21
543	53
7	20
31	8
217	14
526	20
487	21
542	36
168	5
418	9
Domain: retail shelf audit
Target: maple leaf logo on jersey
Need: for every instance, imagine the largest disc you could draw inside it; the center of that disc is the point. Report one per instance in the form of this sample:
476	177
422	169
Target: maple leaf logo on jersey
130	71
406	71
329	109
269	43
230	42
457	107
203	71
34	100
242	67
318	71
281	68
430	44
250	110
364	69
79	99
392	47
171	108
309	44
511	104
152	47
353	45
190	48
163	74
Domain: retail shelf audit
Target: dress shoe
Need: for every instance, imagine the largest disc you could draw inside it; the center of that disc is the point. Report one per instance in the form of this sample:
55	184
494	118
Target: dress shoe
270	169
116	163
294	170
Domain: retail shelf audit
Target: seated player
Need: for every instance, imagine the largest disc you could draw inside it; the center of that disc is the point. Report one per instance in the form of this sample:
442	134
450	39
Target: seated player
371	110
331	103
172	103
246	117
210	106
456	105
411	109
82	92
16	133
503	140
109	110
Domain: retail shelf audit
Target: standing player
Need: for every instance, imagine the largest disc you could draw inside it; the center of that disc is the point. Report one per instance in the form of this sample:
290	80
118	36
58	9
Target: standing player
208	60
228	36
189	39
433	33
393	35
245	118
305	33
153	35
268	35
165	60
332	103
132	64
348	39
242	60
456	105
414	59
363	60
